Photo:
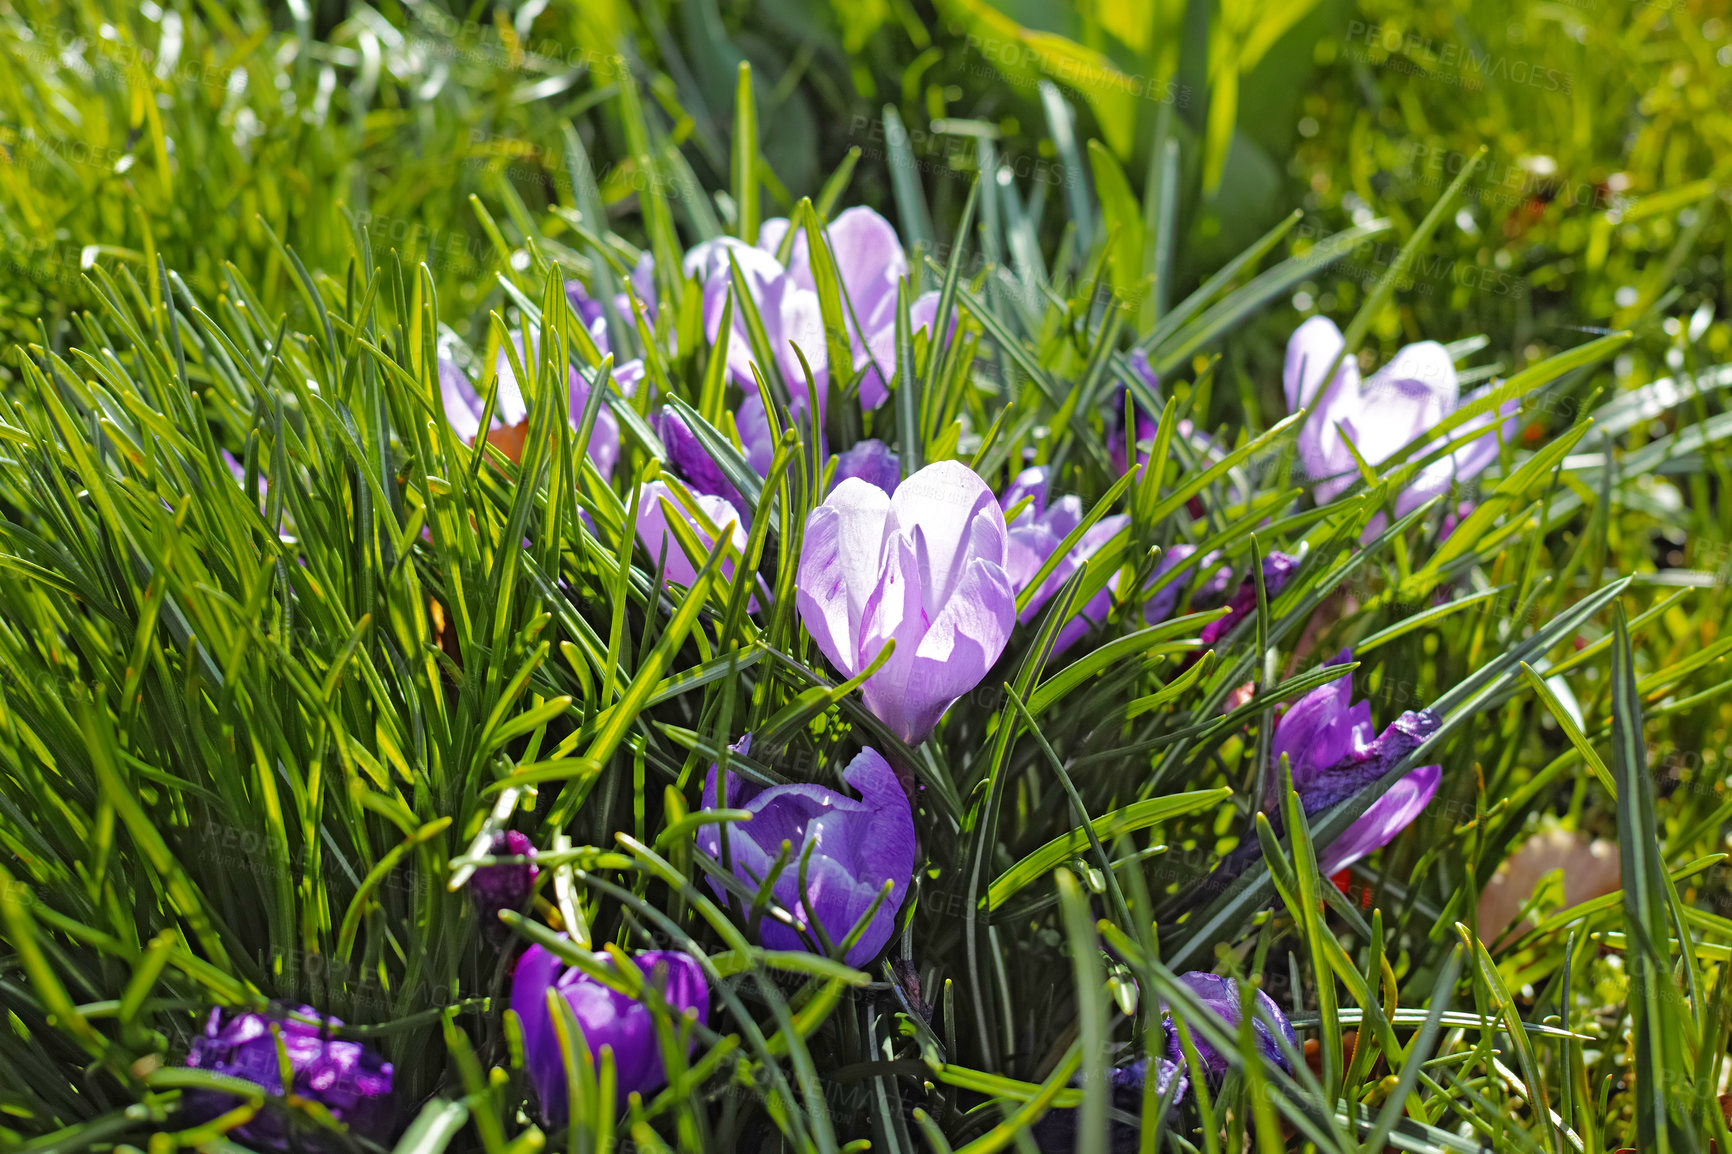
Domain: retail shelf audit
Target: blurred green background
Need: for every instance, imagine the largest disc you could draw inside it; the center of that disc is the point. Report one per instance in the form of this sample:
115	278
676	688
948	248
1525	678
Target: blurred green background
196	131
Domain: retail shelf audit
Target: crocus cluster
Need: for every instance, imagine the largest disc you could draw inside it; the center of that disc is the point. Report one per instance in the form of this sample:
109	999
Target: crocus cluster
1334	751
1401	403
844	851
605	1018
924	567
347	1078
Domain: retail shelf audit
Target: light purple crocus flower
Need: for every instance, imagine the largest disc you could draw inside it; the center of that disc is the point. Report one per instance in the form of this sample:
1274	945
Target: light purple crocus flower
1401	403
1222	998
347	1078
1334	752
656	503
606	1018
855	847
1036	533
925	567
463	403
873	462
789	311
871	264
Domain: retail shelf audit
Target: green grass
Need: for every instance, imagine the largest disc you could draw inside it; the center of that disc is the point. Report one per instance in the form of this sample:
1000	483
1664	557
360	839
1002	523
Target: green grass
240	762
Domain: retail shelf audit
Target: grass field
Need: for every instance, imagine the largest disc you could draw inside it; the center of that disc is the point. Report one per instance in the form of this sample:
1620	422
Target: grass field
424	425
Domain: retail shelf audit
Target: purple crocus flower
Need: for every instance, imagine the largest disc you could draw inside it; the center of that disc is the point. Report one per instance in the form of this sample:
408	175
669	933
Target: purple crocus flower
1278	569
871	264
1056	1130
1334	752
1222	998
656	502
694	464
605	1017
873	462
1160	606
1117	448
1401	403
505	886
594	317
854	848
346	1078
463	405
1037	532
925	567
788	309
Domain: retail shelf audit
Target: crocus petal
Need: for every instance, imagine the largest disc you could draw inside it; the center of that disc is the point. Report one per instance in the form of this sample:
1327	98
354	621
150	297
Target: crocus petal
1387	817
1311	349
956	517
871	461
603	447
462	406
1031	484
1221	997
869	258
1311	733
840	558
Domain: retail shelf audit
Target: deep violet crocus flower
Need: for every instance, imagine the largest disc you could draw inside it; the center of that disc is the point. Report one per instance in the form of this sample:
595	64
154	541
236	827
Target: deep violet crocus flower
1278	569
347	1078
693	462
1057	1129
1222	999
1036	534
1334	752
607	1018
850	848
505	886
925	567
873	462
1400	404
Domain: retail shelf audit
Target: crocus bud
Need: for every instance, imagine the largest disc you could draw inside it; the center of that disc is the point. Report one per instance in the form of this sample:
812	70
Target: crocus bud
1056	1131
855	847
606	1018
1222	999
925	567
506	886
346	1078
